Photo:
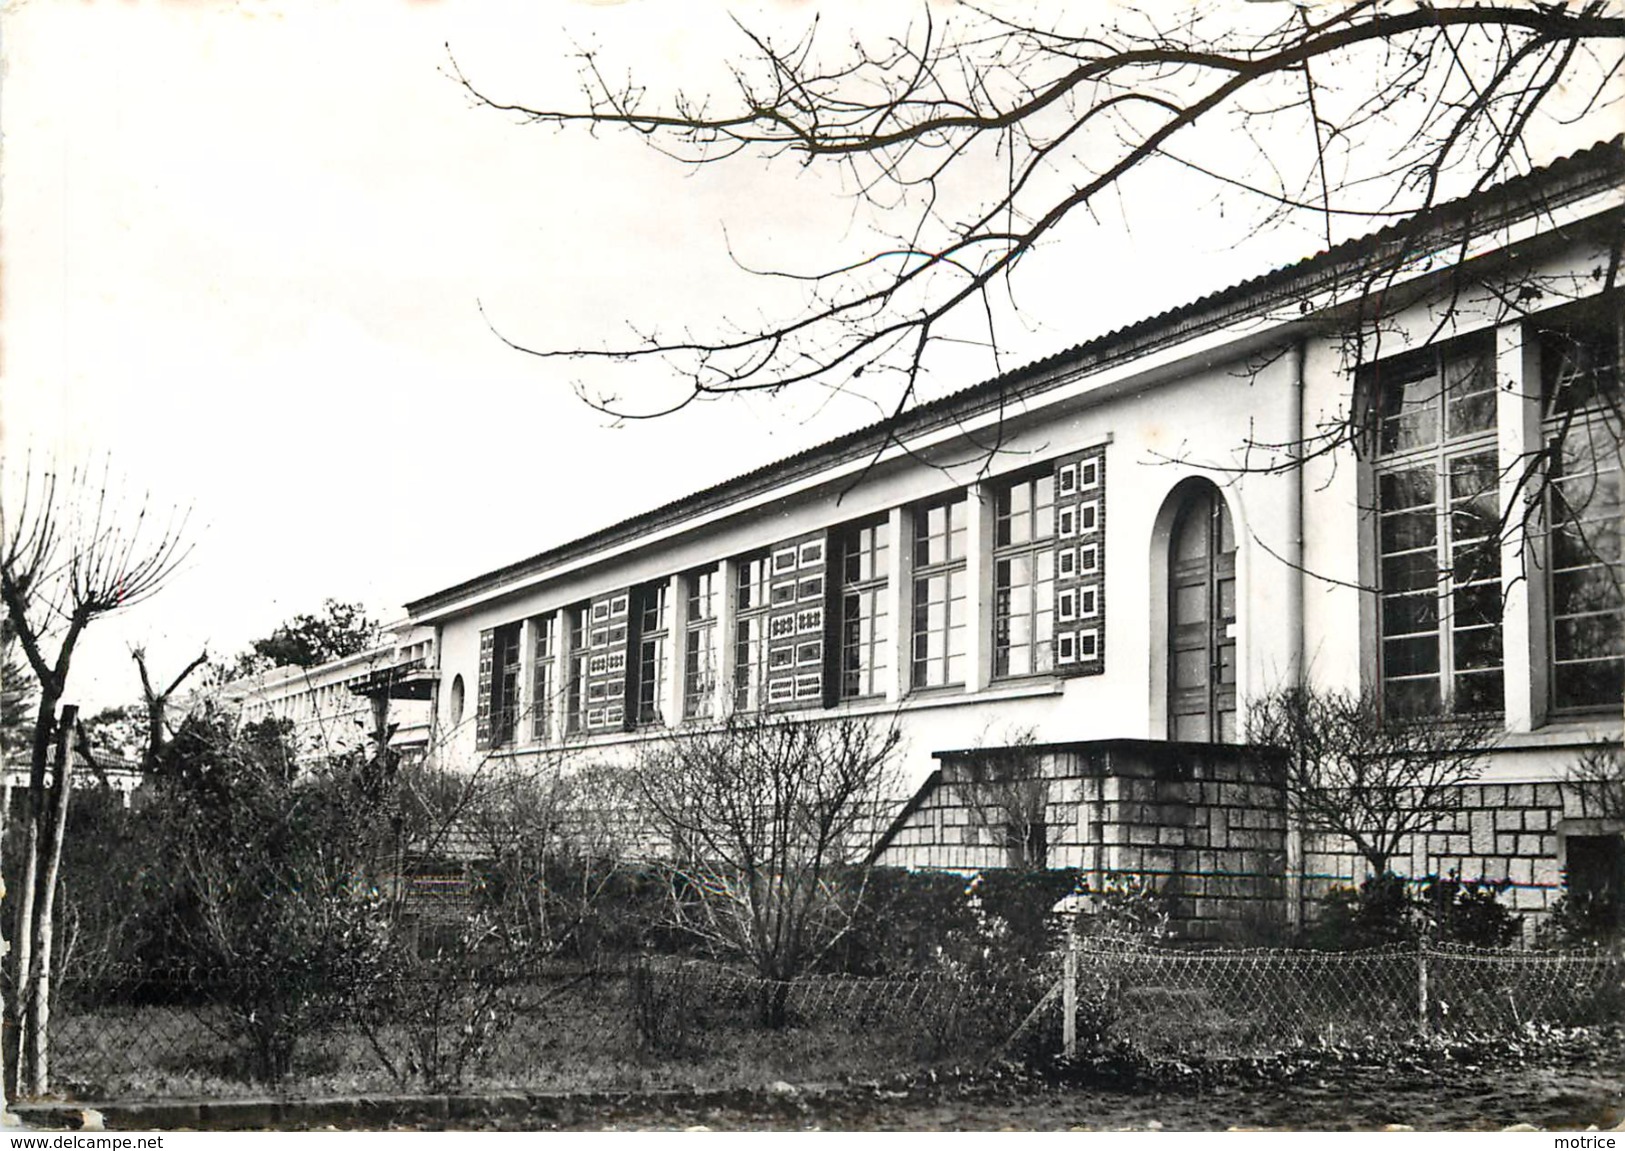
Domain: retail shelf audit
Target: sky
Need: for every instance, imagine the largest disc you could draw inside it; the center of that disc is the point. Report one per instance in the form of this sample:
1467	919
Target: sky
254	254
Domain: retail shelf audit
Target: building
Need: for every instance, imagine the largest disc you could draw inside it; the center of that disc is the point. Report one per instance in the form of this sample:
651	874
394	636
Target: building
1174	523
337	706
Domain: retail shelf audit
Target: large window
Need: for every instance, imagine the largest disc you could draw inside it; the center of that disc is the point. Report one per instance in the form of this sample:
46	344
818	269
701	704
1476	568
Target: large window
864	561
700	644
542	681
751	603
1024	576
1582	406
1438	532
940	585
574	708
654	622
505	662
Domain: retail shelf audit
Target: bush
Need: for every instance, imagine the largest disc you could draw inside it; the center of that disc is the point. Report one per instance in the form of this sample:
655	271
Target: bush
907	921
1376	914
1383	911
1470	913
1584	919
1126	906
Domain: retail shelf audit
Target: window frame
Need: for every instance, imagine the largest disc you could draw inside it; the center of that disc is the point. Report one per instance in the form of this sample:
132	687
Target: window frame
1037	550
950	566
1411	438
866	659
701	663
1600	323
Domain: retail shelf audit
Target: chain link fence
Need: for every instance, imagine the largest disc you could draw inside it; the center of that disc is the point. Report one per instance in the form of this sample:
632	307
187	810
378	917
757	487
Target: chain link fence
1167	1001
652	1024
664	1022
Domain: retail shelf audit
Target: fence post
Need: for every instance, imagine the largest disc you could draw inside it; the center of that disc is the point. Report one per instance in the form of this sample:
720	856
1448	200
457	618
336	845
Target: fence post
1069	993
1422	986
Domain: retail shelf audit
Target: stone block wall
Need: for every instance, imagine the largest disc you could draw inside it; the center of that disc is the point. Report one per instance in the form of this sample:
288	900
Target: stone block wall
1499	832
1202	821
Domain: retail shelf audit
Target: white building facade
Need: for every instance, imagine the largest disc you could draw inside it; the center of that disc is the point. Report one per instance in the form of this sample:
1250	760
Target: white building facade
1273	486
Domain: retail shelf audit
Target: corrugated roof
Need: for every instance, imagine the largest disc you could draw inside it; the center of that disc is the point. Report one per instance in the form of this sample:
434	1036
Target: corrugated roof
1562	181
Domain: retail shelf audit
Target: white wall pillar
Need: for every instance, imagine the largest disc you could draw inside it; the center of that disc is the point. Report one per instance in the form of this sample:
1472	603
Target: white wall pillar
978	587
727	602
1523	588
677	622
899	623
525	689
563	669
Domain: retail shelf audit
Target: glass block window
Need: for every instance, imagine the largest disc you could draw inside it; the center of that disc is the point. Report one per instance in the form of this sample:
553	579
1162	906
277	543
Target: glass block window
1074	569
700	643
1438	529
1024	575
543	672
1582	401
940	589
864	563
608	628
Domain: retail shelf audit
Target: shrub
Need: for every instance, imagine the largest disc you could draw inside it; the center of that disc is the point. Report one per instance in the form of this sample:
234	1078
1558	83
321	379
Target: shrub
1384	911
1584	919
1470	912
1126	906
907	921
1378	913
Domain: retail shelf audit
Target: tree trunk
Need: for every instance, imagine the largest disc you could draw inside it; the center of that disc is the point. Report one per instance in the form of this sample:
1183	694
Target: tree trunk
22	970
44	923
5	818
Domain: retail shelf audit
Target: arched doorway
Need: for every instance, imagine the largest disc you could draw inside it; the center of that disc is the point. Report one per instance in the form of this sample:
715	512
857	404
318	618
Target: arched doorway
1201	619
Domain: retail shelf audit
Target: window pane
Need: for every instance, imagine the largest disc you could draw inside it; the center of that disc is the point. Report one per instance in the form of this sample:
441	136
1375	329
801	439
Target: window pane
1402	657
1410	488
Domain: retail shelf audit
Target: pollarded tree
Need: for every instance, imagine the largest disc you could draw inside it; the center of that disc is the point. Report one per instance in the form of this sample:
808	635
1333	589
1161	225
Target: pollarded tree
970	137
765	820
72	551
1348	772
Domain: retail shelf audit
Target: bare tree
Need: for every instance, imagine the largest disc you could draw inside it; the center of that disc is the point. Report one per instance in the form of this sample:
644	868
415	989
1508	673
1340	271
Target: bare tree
765	817
1005	791
971	137
1348	772
1597	780
71	552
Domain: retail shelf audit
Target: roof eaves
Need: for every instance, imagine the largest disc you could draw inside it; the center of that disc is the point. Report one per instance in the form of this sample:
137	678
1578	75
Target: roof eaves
1563	179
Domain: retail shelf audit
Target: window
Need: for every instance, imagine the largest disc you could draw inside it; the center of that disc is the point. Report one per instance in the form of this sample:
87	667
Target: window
654	621
700	644
575	716
864	561
1594	867
542	681
505	661
455	704
1024	576
1581	396
940	586
751	591
1439	576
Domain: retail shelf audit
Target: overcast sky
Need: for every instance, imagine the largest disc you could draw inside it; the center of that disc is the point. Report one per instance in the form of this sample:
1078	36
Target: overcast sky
246	249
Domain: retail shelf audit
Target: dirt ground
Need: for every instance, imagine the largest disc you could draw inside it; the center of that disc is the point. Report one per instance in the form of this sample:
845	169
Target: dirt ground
1561	1090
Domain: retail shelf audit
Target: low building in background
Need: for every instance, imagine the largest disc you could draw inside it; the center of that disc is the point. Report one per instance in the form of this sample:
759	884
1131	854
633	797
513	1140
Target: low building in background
336	707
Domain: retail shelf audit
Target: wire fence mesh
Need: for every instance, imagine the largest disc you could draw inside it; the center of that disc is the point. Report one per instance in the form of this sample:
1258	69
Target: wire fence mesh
645	1025
1164	1001
665	1022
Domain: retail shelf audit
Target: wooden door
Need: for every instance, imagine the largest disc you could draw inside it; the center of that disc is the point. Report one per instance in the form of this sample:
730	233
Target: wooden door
1201	622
